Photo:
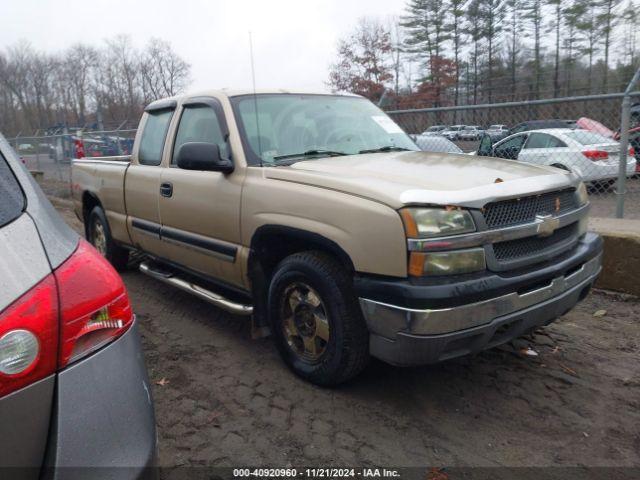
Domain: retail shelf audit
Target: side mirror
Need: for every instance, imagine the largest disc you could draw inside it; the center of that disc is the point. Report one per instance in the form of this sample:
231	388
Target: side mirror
203	156
486	146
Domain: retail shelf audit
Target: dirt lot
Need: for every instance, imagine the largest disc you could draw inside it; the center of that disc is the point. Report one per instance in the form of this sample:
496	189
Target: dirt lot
223	399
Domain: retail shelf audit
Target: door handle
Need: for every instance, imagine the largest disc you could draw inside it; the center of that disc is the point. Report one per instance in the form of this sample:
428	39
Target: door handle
166	189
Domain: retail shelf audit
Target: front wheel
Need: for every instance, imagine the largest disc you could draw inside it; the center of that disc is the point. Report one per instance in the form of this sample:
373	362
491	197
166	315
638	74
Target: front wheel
315	319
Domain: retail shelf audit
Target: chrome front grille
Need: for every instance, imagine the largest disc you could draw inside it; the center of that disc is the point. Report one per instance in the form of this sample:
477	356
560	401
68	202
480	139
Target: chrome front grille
535	246
524	210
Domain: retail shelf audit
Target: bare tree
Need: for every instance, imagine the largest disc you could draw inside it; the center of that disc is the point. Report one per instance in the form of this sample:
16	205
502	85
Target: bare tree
607	19
163	72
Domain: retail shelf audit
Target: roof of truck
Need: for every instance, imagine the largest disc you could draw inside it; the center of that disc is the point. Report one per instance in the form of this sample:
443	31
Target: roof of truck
228	92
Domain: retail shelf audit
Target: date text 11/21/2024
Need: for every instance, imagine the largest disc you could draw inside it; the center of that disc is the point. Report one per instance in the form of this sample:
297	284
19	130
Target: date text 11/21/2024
316	473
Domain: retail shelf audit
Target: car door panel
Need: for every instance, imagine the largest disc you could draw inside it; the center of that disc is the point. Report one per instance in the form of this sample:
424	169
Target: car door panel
201	218
142	182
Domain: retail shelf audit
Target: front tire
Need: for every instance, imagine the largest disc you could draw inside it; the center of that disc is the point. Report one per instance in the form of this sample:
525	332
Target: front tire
99	235
315	319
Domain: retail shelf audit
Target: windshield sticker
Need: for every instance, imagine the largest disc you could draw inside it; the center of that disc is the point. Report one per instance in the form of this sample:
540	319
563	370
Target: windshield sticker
387	124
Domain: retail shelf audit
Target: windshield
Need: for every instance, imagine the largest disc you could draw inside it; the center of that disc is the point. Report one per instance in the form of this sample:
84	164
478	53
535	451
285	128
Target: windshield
286	125
588	138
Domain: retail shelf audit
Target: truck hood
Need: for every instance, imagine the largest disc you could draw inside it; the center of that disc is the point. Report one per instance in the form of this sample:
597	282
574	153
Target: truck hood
421	178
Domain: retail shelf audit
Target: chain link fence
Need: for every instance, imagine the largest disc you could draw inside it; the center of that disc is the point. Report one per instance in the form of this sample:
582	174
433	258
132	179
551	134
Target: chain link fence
49	157
579	134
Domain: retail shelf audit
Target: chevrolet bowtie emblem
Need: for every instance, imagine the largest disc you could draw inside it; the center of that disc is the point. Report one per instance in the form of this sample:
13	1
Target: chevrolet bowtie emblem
547	224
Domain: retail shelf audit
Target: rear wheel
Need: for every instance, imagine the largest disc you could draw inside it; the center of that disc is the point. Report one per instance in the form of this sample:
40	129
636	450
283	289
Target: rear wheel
315	319
99	235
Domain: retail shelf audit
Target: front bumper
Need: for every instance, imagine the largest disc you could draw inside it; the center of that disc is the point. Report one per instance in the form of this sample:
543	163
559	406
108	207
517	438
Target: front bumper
501	308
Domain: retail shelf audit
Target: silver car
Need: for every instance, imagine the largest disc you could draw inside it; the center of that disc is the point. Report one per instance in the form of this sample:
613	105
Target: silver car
73	385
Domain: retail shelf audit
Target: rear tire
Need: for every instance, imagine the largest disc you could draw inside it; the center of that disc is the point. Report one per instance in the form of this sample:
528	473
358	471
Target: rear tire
99	235
316	320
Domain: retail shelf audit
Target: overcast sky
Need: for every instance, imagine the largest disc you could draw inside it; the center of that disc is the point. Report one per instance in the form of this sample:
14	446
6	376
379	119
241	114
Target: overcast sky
294	40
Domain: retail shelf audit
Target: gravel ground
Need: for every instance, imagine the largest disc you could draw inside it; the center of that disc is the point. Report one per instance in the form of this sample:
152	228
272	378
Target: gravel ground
223	399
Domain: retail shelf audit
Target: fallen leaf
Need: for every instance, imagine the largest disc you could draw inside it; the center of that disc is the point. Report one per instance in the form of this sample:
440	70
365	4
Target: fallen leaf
600	313
568	370
162	382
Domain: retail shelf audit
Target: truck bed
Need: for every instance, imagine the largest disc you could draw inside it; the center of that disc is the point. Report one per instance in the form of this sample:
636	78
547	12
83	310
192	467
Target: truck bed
102	178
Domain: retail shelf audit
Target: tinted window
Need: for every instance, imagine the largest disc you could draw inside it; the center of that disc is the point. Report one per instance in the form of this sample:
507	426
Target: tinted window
155	132
11	197
199	124
543	140
511	148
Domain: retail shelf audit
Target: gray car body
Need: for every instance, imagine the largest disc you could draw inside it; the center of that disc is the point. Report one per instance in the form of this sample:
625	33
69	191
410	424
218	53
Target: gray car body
96	412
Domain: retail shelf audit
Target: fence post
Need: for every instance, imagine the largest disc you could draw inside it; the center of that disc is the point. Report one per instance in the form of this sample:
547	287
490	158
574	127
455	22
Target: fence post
624	146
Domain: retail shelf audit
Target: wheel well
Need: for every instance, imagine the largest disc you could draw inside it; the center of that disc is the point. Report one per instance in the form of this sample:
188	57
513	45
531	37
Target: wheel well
272	244
89	202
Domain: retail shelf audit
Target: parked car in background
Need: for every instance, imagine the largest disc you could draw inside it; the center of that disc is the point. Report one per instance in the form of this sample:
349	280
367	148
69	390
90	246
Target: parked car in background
497	132
452	132
434	130
470	133
589	155
430	143
273	218
73	385
541	124
634	142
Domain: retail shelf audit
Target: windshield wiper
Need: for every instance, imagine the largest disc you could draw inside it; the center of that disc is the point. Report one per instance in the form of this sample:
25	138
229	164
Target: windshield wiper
310	153
388	148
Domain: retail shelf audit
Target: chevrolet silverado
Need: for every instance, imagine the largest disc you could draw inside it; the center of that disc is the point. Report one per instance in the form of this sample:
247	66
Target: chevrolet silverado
319	217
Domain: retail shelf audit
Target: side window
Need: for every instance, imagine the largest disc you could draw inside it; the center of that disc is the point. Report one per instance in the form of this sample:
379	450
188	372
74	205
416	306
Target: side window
199	124
11	196
511	148
153	137
543	140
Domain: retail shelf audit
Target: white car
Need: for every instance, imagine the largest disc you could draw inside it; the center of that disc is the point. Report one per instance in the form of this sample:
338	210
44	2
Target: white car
452	132
432	143
590	155
470	132
434	130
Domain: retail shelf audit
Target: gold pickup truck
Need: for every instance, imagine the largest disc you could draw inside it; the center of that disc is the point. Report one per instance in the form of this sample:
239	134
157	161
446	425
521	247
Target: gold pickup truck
317	215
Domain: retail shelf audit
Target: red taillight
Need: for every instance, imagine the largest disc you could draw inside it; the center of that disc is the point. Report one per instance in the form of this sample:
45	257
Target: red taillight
94	305
80	307
632	152
29	337
596	155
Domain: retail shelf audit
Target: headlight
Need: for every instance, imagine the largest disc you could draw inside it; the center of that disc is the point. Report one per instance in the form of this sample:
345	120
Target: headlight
447	263
583	195
436	222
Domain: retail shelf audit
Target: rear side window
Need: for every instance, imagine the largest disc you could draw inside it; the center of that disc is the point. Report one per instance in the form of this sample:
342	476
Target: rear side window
153	136
11	196
543	140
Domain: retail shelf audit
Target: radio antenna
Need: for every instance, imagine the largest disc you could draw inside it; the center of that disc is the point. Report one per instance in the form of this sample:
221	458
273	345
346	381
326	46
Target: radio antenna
255	97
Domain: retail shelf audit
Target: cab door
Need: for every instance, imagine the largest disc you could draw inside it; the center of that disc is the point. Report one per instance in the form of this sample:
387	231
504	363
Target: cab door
142	180
200	210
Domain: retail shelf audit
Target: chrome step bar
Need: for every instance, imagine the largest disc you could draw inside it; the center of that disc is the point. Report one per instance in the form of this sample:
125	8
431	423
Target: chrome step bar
173	279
